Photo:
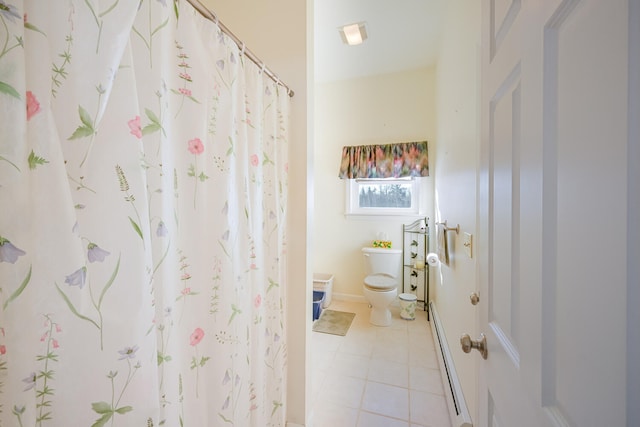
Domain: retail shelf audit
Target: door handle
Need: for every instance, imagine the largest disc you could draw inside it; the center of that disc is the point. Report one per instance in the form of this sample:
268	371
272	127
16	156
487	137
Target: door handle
475	298
481	345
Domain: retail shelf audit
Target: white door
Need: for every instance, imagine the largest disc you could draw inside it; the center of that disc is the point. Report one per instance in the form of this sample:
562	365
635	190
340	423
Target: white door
553	212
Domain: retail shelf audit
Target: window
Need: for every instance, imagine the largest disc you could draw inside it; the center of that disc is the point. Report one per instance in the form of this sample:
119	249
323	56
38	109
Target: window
383	196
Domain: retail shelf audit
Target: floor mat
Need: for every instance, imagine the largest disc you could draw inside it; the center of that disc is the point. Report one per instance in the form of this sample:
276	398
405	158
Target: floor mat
333	322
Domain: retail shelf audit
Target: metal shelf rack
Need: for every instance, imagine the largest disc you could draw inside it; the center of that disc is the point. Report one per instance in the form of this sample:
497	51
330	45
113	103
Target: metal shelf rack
415	270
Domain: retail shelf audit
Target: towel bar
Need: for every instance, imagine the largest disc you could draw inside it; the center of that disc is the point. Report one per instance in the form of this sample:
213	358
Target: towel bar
446	228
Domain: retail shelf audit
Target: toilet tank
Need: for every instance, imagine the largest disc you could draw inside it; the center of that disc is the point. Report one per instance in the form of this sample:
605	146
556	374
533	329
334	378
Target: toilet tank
382	261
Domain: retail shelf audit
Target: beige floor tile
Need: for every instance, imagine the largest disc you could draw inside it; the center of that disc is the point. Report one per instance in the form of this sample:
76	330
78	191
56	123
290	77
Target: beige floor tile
428	409
422	345
363	334
325	342
367	419
392	352
343	390
317	384
322	360
350	365
387	372
386	400
425	379
377	376
421	341
333	415
357	345
426	359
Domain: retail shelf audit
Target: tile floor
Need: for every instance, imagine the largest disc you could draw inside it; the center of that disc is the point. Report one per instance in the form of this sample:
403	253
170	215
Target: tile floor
377	376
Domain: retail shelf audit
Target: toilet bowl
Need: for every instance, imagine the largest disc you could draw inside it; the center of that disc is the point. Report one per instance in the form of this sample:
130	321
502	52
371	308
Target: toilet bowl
380	290
383	268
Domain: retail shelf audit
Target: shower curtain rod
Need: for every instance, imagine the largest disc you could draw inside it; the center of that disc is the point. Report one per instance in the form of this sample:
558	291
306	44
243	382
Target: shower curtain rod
212	16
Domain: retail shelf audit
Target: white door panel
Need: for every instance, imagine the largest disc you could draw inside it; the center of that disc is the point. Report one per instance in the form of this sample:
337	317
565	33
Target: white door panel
553	212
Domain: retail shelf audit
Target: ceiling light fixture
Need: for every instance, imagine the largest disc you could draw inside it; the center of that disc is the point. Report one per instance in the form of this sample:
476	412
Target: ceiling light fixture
353	34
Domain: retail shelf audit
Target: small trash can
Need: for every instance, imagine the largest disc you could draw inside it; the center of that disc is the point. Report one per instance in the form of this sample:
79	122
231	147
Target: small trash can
408	304
318	298
323	282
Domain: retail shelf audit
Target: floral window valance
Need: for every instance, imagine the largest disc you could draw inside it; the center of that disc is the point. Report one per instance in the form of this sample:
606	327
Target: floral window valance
385	161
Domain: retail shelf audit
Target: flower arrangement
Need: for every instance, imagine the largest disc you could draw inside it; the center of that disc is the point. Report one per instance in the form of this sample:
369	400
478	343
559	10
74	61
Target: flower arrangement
385	244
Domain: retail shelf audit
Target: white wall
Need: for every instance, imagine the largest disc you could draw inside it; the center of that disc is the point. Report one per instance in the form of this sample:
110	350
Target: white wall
458	77
387	108
276	31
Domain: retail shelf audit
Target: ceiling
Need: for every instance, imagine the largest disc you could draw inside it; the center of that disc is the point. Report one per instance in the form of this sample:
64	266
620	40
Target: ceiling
402	35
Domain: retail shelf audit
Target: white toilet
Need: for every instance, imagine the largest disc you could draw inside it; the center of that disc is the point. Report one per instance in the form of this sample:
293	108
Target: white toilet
383	268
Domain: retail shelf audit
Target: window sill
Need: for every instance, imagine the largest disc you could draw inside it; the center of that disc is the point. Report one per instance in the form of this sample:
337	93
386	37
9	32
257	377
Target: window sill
403	217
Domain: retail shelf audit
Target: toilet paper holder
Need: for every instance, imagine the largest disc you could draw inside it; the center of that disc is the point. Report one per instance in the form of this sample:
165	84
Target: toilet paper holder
432	259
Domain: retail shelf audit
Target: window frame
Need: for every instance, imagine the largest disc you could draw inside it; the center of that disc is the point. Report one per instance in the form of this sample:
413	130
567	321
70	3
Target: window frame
352	202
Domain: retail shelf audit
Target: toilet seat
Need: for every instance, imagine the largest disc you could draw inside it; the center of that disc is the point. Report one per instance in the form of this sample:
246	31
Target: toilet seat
380	283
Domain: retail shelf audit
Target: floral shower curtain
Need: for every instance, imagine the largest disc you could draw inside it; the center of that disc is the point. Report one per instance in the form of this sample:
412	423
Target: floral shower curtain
143	192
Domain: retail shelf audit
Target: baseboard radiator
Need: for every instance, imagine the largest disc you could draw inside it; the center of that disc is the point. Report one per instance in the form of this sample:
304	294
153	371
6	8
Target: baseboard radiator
458	411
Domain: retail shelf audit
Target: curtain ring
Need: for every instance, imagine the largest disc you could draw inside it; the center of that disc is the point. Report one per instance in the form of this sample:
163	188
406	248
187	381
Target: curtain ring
242	50
263	67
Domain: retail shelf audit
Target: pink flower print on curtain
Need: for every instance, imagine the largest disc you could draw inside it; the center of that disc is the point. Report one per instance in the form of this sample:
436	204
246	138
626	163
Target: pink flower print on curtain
184	91
135	127
33	106
48	358
196	147
196	337
197	362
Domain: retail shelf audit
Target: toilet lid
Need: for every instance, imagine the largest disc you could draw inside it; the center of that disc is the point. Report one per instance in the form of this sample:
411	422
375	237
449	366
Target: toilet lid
380	283
408	297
